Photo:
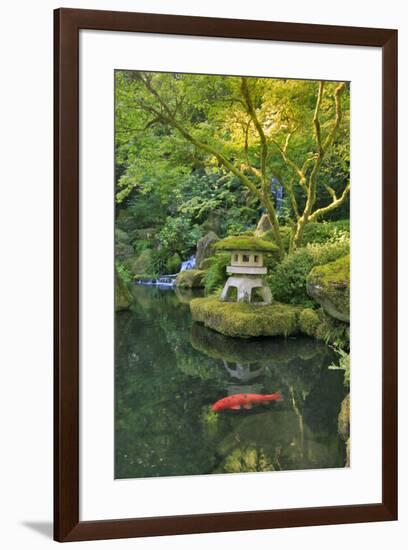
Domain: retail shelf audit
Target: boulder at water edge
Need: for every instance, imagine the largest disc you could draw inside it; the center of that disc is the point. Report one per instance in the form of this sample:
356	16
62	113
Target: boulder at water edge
329	285
190	278
205	248
141	264
123	296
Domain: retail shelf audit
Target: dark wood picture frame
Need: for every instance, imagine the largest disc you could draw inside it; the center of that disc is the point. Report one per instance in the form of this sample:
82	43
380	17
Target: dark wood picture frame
67	24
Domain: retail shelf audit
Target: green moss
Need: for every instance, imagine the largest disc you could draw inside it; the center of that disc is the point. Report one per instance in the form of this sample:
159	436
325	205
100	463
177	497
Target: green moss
190	278
309	321
246	242
248	459
329	285
344	418
207	263
143	263
333	273
243	320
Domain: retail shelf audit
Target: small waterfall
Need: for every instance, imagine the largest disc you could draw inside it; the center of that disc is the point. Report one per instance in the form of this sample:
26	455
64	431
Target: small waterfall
277	192
169	280
164	280
188	264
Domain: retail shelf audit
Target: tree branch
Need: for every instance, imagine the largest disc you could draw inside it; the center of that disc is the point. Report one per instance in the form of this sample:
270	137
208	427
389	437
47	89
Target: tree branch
316	122
169	119
337	100
334	204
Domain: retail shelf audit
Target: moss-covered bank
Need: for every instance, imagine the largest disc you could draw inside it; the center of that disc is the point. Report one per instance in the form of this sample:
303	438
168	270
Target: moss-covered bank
246	320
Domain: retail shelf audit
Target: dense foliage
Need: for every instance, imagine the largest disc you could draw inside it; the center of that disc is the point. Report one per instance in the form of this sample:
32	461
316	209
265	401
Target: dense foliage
196	153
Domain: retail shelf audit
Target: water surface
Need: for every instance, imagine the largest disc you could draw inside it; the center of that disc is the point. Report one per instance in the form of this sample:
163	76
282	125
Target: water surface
168	372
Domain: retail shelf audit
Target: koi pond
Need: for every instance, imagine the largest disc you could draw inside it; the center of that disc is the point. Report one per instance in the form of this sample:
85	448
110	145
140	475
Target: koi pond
169	371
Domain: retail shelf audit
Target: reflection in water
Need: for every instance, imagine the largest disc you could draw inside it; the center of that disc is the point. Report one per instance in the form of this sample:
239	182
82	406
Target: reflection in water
168	373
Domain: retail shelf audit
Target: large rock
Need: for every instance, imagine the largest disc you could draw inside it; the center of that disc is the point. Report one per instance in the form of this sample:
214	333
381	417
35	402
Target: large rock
123	251
141	264
121	236
123	296
344	426
205	248
263	226
329	285
344	418
190	278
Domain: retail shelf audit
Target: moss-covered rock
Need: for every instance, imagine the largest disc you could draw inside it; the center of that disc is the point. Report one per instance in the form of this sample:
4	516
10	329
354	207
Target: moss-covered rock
248	459
123	296
329	285
205	248
190	278
123	251
141	264
344	418
246	242
309	321
121	236
244	320
208	262
347	464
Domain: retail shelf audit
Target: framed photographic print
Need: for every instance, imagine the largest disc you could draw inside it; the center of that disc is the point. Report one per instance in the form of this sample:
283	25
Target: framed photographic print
225	274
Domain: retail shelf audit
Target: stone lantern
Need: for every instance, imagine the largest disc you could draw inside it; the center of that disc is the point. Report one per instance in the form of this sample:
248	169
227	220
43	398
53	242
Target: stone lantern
246	270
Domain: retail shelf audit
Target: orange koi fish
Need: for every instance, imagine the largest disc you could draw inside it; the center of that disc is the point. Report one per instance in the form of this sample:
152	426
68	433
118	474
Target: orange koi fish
244	400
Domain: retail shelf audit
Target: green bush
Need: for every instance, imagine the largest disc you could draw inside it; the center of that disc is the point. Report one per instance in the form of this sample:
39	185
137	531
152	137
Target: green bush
123	273
288	280
216	274
315	233
333	331
325	232
173	264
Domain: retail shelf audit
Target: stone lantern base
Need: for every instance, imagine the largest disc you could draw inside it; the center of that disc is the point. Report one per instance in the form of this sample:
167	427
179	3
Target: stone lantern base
245	287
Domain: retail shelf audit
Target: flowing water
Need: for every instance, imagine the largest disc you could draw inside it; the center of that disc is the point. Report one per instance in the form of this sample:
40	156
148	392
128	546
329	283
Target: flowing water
168	372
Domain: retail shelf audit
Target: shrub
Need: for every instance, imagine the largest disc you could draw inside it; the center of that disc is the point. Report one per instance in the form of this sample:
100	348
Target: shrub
344	364
325	232
288	280
173	264
216	274
123	273
334	332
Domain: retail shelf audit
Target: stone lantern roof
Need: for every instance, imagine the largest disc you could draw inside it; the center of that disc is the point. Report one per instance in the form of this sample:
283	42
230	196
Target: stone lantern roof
246	243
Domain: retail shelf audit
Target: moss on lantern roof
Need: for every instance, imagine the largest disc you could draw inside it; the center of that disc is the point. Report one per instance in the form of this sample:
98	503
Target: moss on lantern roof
246	242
